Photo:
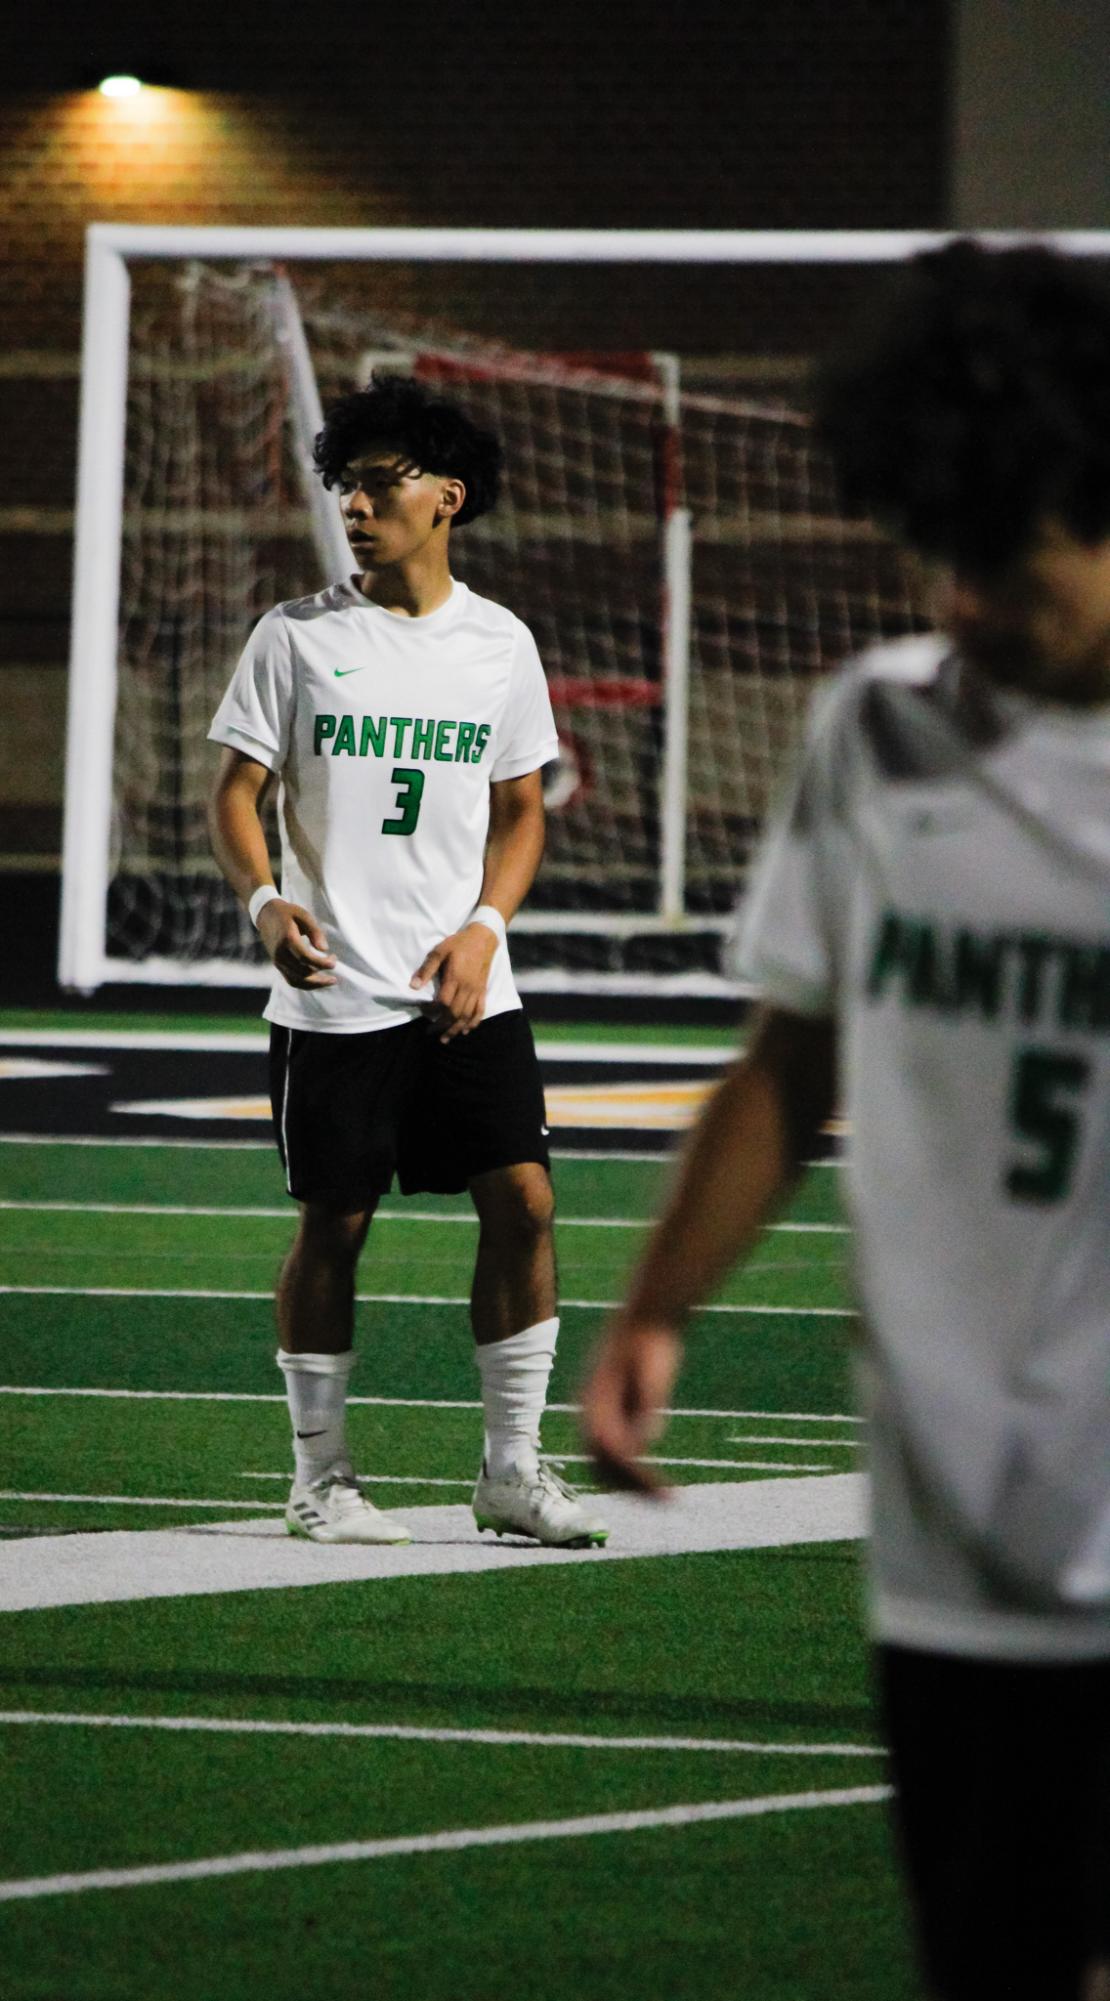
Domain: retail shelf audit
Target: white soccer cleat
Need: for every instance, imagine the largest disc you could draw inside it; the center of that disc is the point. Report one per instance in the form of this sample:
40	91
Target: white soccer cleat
539	1505
334	1509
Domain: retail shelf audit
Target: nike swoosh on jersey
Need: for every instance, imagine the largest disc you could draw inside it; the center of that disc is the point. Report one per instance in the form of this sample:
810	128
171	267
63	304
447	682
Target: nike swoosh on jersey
341	671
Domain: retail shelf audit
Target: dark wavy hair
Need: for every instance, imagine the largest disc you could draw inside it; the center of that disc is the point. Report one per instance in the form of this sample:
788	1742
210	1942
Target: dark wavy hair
425	430
973	401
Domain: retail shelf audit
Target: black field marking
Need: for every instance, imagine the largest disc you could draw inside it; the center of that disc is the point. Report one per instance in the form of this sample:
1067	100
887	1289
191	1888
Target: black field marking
86	1107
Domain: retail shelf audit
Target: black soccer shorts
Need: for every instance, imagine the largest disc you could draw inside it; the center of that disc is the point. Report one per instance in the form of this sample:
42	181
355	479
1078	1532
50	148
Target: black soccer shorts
1002	1811
351	1111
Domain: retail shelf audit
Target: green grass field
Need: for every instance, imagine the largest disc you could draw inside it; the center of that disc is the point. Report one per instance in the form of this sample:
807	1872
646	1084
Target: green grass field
618	1781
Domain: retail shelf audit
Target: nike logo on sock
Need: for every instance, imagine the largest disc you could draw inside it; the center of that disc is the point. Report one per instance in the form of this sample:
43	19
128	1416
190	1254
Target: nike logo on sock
312	1434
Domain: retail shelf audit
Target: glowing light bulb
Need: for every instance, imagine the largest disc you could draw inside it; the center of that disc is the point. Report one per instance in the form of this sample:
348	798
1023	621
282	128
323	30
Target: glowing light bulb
120	86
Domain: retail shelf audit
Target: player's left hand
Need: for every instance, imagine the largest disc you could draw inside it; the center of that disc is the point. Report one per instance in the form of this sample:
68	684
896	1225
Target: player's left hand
623	1400
462	964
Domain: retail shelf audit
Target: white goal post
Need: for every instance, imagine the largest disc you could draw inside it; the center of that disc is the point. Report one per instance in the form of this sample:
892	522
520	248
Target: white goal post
668	848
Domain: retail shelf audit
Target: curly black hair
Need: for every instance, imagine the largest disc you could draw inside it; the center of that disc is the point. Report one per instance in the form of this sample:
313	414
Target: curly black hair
425	430
974	402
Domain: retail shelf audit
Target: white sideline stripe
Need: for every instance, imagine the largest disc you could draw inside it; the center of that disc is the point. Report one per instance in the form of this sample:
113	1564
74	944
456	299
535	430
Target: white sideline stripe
757	1465
637	1158
255	1553
395	1403
266	1146
128	1501
26	1069
770	1438
372	1479
214	1041
586	1459
252	1043
192	1145
383	1299
413	1733
286	1215
435	1844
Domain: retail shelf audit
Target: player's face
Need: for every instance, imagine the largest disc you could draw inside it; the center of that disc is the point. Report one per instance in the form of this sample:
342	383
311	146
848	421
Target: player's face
1041	624
391	510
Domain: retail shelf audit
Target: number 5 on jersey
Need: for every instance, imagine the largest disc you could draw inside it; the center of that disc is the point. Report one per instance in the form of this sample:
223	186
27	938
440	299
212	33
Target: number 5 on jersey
1045	1111
410	791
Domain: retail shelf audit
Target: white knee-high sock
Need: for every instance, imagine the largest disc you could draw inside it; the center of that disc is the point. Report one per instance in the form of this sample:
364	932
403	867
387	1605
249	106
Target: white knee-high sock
316	1386
514	1375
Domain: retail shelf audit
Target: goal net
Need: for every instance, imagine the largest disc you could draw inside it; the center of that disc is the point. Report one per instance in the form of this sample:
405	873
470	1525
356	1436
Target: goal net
680	557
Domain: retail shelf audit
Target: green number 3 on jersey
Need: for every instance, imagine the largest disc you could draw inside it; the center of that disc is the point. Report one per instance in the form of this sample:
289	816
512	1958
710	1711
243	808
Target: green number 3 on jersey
410	791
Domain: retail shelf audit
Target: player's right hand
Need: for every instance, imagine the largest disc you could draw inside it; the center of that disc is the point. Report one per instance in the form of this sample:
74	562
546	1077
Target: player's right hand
296	944
624	1398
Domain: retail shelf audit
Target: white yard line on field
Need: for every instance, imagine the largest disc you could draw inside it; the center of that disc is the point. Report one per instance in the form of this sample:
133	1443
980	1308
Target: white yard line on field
250	1043
374	1479
394	1403
413	1733
191	1145
772	1438
636	1159
128	1501
243	1554
452	1841
386	1299
286	1215
585	1459
382	1480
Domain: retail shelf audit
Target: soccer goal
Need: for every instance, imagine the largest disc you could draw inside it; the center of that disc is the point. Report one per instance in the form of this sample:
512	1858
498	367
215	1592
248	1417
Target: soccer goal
676	548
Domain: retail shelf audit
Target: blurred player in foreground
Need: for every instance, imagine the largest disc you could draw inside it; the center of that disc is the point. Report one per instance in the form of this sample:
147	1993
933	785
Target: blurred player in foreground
408	720
929	930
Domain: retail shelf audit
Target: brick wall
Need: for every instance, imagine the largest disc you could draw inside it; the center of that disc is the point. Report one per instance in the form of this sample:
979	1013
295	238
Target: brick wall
708	113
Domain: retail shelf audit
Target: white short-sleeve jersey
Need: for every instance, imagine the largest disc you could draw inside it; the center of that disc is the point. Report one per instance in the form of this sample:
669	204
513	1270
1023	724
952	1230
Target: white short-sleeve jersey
939	883
386	732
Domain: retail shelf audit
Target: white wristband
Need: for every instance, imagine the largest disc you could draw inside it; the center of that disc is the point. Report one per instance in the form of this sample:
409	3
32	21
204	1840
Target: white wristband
487	914
264	894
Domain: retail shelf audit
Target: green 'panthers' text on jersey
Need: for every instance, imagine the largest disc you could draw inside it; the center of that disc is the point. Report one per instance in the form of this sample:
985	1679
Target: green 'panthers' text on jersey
939	884
387	733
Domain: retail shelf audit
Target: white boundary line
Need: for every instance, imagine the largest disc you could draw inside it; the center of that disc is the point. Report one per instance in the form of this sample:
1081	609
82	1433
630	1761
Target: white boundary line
286	1215
137	1501
399	1480
380	1479
389	1299
650	1159
759	1438
250	1043
452	1841
586	1459
411	1733
87	1139
394	1403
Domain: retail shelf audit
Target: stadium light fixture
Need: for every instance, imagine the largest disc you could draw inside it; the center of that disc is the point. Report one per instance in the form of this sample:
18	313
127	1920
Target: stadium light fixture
120	86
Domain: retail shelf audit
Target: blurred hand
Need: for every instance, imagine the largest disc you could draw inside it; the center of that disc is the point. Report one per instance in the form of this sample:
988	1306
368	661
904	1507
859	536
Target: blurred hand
462	963
296	944
623	1399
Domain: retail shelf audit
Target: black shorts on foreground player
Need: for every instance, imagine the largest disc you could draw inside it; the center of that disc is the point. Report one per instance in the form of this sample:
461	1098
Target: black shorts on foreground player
929	925
407	721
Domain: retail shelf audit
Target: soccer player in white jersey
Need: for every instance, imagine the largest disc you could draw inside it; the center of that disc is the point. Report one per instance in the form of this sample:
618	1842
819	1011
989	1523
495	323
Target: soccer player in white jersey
407	720
929	929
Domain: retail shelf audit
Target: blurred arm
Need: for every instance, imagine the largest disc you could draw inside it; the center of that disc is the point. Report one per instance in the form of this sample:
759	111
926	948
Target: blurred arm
745	1155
